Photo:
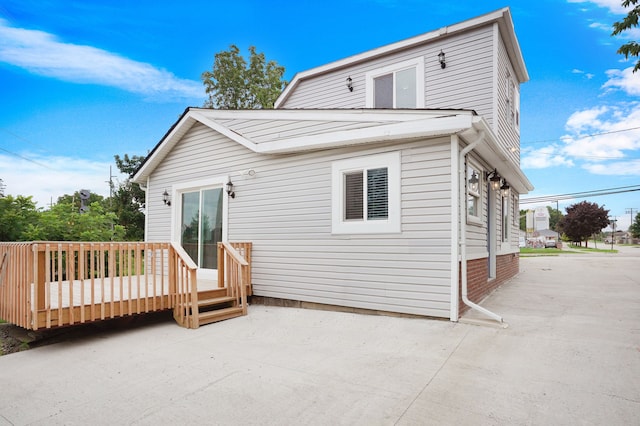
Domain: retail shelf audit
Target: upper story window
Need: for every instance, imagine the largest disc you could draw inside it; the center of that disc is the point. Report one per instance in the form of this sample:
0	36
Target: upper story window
366	194
513	102
398	85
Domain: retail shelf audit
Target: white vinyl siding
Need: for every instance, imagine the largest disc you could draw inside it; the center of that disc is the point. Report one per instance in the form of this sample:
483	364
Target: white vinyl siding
466	83
285	211
508	134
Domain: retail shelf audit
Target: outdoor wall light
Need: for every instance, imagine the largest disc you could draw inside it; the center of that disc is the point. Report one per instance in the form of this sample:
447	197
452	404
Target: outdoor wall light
443	64
230	192
504	188
350	84
166	199
495	179
473	181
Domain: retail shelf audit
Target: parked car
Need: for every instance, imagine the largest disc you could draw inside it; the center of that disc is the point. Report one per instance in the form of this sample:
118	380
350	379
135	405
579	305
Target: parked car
550	244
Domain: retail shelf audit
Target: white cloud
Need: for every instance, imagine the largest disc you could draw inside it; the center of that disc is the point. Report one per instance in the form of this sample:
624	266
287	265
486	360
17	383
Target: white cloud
616	168
614	6
601	140
624	80
587	119
53	177
42	53
541	158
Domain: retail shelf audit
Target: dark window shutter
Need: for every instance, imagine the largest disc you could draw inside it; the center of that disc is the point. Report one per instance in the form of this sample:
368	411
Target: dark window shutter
353	195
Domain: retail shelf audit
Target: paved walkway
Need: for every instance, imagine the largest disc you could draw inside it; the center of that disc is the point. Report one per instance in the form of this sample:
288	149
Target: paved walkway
571	355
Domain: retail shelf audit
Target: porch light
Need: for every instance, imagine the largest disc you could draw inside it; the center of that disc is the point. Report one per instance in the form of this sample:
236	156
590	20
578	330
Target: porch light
230	192
473	181
350	84
165	198
504	188
495	179
443	64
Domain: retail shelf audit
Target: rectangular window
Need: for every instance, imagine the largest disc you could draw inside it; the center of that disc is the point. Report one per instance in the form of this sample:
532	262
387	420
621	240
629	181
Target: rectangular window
396	86
505	219
366	194
513	102
474	188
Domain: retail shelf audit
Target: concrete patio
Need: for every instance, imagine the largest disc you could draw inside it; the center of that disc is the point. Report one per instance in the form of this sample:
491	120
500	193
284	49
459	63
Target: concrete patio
571	355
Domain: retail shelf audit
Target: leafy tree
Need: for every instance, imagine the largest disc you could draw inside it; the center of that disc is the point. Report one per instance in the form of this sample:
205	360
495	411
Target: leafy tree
583	220
128	199
631	48
555	216
65	222
635	227
16	215
232	84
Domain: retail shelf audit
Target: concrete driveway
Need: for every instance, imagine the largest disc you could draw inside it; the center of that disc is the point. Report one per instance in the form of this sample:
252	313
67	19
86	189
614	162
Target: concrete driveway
571	355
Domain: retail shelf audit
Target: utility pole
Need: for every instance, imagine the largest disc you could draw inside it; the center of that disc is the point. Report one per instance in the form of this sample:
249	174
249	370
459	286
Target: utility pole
630	211
613	233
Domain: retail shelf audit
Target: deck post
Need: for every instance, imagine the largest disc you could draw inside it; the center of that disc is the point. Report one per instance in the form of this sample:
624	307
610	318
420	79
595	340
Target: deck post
41	280
220	266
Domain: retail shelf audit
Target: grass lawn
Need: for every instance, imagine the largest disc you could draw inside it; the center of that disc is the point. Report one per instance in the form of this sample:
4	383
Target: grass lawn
592	250
526	251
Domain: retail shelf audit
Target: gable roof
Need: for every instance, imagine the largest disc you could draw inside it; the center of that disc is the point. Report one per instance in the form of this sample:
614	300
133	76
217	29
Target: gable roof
502	17
289	131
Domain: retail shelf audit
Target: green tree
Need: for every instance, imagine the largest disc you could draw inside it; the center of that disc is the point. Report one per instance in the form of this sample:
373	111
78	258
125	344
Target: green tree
583	220
555	216
128	199
65	222
16	216
234	84
631	48
635	227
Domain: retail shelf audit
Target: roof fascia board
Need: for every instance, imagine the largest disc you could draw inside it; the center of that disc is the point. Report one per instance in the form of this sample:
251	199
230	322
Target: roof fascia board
500	15
429	127
364	115
168	141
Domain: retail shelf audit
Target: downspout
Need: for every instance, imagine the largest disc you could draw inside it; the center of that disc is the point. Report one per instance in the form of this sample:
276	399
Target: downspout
463	231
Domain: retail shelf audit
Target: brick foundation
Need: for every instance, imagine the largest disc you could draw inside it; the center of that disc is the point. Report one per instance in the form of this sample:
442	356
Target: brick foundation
478	283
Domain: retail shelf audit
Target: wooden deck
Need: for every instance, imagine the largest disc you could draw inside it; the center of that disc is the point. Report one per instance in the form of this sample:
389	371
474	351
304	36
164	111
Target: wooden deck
47	284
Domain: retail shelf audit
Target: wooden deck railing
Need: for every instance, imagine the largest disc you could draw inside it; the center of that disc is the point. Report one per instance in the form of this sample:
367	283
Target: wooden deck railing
52	284
234	271
185	296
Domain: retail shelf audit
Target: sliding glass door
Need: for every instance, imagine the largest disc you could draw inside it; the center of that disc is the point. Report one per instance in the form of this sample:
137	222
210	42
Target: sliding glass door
201	226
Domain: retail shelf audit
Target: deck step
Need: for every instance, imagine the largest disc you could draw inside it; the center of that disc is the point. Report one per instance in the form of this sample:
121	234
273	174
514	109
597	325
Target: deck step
215	301
211	294
219	315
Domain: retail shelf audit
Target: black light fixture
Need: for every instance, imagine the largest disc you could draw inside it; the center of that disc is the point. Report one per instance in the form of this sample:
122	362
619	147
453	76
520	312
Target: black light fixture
443	64
504	188
350	84
473	181
165	198
230	192
495	179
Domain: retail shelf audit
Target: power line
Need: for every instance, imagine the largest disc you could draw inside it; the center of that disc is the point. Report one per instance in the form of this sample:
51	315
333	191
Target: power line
26	158
586	194
583	137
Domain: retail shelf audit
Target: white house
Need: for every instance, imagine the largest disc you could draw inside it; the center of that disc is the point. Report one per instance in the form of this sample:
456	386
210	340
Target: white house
388	180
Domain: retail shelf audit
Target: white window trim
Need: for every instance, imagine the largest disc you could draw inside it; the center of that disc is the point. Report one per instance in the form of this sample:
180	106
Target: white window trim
178	189
417	63
392	224
471	219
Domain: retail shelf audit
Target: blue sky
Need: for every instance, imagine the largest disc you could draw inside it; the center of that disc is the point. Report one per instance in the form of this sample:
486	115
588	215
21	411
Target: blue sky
81	81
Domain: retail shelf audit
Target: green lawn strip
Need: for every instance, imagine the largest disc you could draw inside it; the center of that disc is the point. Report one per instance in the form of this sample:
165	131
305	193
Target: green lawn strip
593	250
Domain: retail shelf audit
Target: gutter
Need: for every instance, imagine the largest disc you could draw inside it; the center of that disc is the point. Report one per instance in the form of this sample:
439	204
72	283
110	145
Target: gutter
462	242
